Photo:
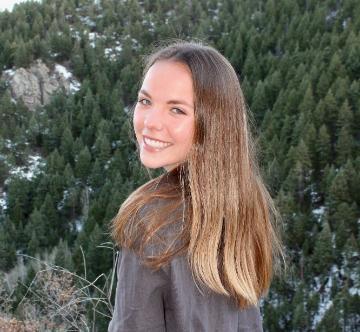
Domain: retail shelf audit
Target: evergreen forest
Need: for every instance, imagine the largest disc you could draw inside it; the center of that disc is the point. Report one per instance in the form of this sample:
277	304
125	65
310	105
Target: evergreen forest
66	166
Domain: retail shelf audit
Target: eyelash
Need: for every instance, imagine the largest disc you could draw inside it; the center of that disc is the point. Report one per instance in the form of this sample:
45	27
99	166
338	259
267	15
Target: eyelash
140	101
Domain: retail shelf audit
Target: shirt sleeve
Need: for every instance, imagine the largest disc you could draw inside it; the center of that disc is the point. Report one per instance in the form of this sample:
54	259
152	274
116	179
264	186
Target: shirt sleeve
139	296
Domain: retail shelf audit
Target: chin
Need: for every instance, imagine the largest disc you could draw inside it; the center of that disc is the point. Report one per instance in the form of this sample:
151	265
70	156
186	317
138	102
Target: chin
151	164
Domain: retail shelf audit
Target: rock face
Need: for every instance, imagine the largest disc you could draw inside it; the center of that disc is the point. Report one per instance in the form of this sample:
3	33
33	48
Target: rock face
35	85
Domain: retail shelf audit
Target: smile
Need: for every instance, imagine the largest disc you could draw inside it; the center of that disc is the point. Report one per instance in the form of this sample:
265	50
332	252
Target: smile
155	144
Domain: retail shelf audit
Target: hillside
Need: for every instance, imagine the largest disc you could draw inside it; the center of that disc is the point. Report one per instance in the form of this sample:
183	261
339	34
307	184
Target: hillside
68	160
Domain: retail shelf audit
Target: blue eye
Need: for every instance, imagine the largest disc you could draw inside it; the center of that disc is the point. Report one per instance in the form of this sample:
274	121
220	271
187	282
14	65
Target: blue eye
144	101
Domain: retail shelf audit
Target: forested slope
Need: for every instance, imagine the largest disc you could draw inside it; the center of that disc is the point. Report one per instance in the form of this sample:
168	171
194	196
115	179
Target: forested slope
66	167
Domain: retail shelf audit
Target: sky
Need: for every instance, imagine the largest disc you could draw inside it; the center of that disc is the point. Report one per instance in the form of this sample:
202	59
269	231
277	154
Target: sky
9	4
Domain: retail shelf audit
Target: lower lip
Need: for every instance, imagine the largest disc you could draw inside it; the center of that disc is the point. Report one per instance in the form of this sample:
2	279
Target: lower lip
152	149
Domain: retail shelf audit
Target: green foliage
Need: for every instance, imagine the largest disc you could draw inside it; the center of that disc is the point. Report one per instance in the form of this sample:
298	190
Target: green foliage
323	252
298	63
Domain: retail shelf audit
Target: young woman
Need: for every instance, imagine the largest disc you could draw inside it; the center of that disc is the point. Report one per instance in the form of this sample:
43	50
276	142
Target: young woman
198	242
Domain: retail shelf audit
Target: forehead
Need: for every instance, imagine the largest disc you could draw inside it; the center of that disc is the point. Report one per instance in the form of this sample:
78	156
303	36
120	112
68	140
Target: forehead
169	79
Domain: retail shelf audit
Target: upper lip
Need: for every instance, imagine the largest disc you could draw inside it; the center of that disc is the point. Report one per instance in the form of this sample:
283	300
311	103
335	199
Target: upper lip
155	139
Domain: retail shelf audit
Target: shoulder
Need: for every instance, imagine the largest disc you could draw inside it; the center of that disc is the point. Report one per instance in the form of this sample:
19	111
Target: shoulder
159	230
189	301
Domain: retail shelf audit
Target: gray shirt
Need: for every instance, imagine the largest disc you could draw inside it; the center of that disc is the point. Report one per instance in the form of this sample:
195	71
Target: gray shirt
168	300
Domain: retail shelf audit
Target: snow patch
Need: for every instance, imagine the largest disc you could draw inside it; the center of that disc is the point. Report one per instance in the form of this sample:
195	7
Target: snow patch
3	201
75	33
32	169
9	144
63	71
112	52
9	72
354	291
88	21
325	295
79	225
75	86
319	212
332	15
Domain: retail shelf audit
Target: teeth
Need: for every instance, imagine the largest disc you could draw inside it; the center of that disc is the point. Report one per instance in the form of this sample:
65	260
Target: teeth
156	144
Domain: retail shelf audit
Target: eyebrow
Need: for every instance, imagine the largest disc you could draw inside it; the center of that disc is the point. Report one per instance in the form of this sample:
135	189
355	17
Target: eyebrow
183	102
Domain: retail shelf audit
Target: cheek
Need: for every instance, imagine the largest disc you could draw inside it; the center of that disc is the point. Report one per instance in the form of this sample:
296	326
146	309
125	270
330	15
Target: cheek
137	122
185	133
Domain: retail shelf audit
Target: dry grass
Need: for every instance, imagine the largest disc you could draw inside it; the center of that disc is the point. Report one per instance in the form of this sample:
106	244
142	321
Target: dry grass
56	300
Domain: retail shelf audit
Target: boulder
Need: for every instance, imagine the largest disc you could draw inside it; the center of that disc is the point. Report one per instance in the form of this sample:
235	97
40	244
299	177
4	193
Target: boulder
35	85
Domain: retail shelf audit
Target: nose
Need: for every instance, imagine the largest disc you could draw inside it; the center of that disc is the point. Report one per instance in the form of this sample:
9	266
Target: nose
153	119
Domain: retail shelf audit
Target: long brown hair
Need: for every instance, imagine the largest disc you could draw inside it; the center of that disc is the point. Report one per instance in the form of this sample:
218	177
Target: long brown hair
215	208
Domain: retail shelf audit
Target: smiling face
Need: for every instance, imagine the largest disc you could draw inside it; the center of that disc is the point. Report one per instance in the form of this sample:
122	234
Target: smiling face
164	119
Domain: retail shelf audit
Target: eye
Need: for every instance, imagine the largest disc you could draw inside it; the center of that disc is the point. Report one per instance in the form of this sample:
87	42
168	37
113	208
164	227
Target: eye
144	101
177	111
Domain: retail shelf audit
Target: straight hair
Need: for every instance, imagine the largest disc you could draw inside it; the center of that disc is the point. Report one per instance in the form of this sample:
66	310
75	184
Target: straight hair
216	205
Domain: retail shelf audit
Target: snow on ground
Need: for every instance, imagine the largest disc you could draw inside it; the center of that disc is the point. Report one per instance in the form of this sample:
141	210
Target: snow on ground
354	291
332	14
87	21
3	201
75	86
325	297
75	33
112	52
354	276
93	36
9	144
9	72
63	71
319	212
79	224
323	307
60	205
35	164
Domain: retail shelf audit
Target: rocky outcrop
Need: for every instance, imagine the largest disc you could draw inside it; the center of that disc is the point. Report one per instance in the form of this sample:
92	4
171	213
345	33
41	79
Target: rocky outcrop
35	85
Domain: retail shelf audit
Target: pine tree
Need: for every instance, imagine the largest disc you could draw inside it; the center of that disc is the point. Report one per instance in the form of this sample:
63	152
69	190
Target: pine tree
34	244
346	117
63	256
103	149
352	55
307	105
353	175
299	176
344	146
83	165
319	114
38	231
331	113
66	147
251	68
300	318
54	227
99	259
22	55
55	163
323	256
340	87
96	177
330	322
339	190
259	101
323	84
7	248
